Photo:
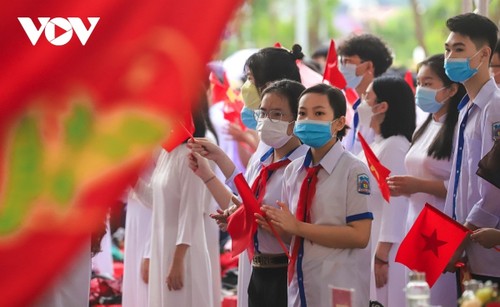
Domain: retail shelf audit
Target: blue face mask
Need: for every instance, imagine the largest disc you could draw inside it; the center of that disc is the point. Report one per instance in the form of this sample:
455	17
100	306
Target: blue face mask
314	133
425	98
248	118
458	69
349	72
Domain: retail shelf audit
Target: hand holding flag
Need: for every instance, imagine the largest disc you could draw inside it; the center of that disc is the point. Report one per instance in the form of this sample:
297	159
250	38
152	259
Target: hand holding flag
379	171
430	243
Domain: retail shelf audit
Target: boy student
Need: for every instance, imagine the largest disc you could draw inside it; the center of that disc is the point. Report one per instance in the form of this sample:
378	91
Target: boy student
470	199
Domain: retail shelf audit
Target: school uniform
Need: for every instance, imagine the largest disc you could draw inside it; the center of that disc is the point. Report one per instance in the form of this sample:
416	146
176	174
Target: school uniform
351	140
389	223
178	208
263	279
341	197
419	164
470	198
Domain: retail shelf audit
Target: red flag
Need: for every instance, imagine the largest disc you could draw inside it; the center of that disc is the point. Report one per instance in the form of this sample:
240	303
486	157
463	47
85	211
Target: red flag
379	171
351	96
430	243
332	73
409	80
135	77
241	224
277	45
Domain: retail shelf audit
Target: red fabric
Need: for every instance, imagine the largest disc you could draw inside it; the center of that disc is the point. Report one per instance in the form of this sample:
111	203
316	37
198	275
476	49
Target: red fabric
260	183
430	243
379	171
306	196
351	96
409	80
230	301
332	72
146	56
278	45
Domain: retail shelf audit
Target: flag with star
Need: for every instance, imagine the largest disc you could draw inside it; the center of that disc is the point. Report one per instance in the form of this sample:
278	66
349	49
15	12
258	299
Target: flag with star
430	243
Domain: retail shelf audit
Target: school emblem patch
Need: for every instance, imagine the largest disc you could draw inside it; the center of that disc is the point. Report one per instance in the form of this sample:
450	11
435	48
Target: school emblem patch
495	131
363	184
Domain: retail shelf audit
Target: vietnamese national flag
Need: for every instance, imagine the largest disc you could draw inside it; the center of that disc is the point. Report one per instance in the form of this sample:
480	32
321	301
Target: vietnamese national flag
379	171
241	224
79	121
430	243
332	73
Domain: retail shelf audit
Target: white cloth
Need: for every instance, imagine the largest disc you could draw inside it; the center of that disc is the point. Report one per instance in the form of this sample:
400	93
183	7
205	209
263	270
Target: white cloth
220	124
389	222
477	199
137	234
103	261
267	242
178	208
346	202
72	287
419	164
351	140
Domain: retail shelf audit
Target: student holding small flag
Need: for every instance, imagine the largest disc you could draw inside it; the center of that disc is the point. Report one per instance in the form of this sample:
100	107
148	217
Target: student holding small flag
275	121
328	215
388	108
428	161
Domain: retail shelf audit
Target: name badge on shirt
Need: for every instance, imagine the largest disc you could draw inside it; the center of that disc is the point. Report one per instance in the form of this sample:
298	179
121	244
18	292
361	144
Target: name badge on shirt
363	184
495	131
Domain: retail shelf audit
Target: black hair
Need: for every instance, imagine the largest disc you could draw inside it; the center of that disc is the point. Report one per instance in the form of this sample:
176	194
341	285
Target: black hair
336	99
321	51
442	145
369	48
400	116
288	89
480	29
497	48
272	64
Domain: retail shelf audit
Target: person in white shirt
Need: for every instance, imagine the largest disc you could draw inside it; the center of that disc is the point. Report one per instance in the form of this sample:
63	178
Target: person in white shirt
472	200
325	206
362	58
275	121
428	162
388	107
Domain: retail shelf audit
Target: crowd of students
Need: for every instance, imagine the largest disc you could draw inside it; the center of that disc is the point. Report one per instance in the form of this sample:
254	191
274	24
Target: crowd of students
311	178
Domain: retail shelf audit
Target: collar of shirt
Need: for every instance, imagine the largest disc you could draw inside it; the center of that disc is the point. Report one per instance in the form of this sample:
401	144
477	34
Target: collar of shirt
483	97
330	160
298	152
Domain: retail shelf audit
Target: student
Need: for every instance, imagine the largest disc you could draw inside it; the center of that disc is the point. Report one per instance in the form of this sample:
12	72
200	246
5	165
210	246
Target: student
327	191
388	107
428	162
495	64
362	58
275	122
470	199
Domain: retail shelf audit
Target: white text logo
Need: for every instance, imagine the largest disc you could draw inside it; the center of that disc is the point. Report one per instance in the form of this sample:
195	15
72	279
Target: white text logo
66	26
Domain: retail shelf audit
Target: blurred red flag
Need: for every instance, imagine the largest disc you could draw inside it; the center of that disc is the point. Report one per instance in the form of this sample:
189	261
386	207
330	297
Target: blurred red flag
332	72
430	243
409	80
278	45
78	121
379	171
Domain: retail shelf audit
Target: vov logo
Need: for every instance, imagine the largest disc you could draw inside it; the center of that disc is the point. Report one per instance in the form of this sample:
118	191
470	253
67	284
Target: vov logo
66	28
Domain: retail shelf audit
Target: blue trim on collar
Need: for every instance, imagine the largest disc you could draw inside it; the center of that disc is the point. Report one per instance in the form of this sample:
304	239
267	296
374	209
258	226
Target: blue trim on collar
463	102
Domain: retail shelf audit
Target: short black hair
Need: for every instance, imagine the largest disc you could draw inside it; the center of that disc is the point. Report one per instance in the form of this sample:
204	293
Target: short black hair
288	89
321	51
400	116
369	48
442	145
480	29
336	99
272	64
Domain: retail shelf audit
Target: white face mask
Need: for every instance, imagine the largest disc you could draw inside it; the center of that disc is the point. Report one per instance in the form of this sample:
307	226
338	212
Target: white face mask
273	134
365	114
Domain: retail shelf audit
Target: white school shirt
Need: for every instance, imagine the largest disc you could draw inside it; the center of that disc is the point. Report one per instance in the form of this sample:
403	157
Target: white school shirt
341	197
389	221
477	201
267	243
419	164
